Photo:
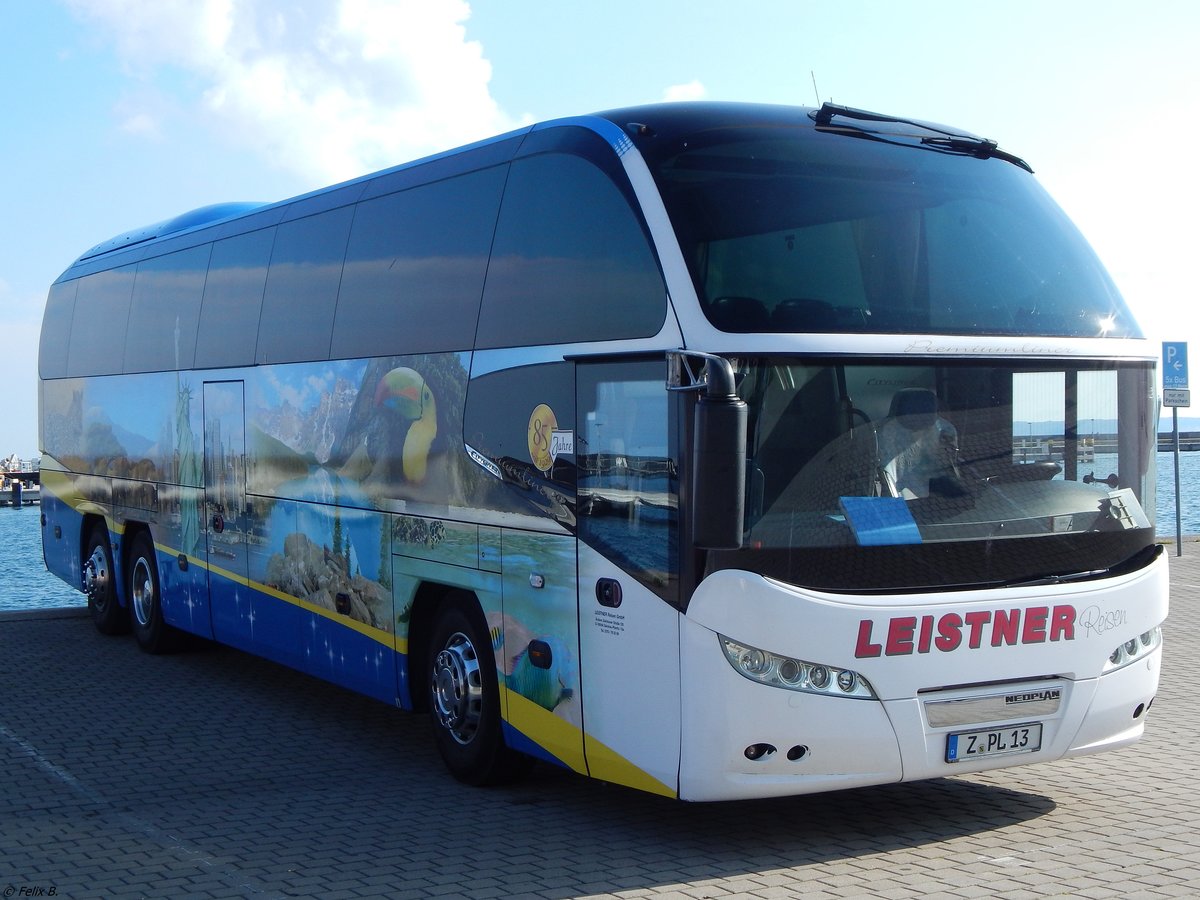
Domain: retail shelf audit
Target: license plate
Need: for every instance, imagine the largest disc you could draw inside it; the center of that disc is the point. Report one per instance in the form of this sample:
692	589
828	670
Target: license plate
994	741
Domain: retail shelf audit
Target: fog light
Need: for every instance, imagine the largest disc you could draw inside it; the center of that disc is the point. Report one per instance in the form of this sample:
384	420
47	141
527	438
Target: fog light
758	751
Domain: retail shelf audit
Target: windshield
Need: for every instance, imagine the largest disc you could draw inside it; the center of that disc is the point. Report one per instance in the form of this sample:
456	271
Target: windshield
795	230
899	475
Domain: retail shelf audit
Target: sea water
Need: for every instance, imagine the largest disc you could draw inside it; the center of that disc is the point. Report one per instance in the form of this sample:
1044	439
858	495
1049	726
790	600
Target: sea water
25	583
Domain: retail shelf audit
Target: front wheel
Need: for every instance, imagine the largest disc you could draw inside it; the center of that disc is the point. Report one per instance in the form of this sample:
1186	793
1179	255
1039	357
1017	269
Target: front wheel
99	584
153	634
464	698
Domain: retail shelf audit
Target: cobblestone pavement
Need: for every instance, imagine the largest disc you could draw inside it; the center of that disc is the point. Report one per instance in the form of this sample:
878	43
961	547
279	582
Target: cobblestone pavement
214	774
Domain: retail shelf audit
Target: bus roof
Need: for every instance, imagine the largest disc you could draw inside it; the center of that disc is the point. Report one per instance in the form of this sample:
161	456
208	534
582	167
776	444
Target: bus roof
647	126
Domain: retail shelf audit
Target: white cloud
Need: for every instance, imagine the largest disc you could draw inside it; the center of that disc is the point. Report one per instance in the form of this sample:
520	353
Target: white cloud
693	90
140	116
329	90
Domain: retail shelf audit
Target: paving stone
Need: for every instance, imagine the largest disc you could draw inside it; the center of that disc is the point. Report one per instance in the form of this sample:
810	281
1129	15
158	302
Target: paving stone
215	774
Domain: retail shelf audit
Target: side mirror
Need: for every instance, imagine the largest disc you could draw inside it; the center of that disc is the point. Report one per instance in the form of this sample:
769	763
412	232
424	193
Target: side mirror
719	460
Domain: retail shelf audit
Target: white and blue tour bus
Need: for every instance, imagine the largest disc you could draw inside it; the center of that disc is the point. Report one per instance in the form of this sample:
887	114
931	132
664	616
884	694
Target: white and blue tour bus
716	450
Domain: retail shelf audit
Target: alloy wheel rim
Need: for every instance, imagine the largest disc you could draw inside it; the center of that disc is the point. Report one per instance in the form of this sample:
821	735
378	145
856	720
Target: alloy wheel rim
143	591
95	577
457	688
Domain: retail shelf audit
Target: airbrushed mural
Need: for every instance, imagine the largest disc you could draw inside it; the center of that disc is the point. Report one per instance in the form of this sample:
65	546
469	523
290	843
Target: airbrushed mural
328	447
309	489
384	430
145	428
297	479
133	443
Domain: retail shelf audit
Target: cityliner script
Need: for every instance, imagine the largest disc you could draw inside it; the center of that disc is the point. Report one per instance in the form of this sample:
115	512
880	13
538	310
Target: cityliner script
905	635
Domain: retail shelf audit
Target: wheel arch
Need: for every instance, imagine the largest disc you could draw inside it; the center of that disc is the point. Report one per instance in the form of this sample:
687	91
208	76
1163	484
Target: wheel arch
105	597
429	597
88	523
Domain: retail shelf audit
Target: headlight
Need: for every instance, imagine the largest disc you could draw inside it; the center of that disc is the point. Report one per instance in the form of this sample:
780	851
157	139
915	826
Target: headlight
794	674
1134	649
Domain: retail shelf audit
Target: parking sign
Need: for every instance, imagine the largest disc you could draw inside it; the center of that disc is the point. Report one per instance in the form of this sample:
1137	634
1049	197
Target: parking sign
1175	373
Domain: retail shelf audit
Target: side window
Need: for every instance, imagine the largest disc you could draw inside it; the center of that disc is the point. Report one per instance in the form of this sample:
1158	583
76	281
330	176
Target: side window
165	311
517	425
415	266
571	260
302	286
233	293
98	326
56	329
628	488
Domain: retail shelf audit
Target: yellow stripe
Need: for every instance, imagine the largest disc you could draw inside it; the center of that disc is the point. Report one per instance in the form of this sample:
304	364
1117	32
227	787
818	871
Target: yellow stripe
608	765
562	739
553	733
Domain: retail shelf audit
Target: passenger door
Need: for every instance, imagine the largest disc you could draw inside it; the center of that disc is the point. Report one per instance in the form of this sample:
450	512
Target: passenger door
628	560
518	419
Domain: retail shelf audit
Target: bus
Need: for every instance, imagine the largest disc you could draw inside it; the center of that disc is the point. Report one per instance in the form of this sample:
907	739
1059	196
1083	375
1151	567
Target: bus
714	450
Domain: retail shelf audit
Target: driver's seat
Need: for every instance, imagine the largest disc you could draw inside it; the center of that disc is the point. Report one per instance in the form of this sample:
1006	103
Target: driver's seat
916	445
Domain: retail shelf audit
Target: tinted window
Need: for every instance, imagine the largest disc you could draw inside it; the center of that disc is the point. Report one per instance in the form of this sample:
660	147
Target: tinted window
415	266
571	260
233	292
521	421
56	330
790	231
98	326
628	475
901	475
302	286
165	311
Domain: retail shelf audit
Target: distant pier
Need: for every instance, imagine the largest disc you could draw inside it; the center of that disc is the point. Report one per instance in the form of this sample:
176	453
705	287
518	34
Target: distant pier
1027	448
21	488
1188	441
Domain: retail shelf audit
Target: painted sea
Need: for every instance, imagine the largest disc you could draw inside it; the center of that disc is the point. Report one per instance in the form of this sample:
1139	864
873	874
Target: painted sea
25	584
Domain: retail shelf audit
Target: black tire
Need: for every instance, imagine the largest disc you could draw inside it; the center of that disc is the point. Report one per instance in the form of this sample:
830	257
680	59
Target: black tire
153	634
464	697
98	583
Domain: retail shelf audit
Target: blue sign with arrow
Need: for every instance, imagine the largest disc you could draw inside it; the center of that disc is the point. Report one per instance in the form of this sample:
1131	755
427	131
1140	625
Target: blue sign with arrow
1175	369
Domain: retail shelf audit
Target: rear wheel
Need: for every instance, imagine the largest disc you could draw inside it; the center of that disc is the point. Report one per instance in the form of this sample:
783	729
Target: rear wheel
153	634
99	584
464	698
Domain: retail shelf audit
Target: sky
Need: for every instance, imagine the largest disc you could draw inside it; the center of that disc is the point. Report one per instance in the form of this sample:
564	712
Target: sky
121	113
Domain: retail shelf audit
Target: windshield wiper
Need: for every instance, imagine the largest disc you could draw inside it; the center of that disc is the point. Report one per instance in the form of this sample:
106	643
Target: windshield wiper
947	142
980	148
1138	560
1055	579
